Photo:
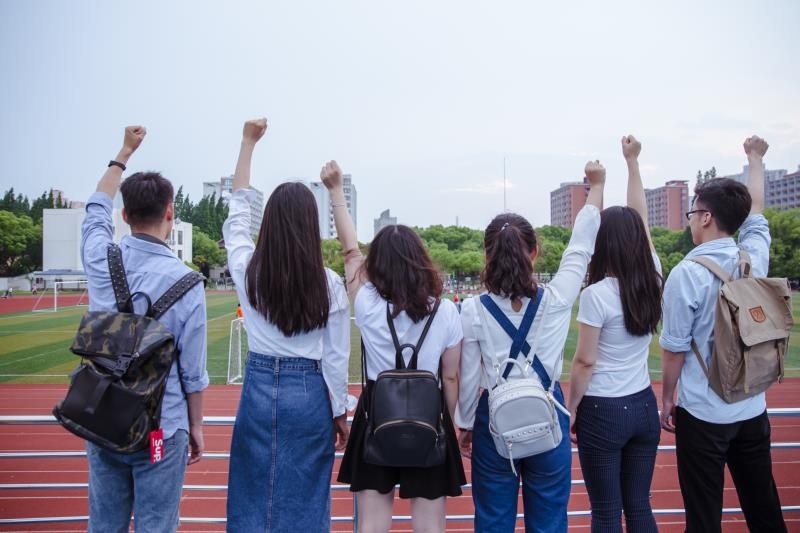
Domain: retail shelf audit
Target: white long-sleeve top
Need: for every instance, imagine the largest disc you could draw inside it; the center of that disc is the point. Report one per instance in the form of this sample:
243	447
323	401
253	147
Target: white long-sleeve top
548	332
330	345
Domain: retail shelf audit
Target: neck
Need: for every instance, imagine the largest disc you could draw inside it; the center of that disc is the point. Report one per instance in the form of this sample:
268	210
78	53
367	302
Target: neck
712	235
156	232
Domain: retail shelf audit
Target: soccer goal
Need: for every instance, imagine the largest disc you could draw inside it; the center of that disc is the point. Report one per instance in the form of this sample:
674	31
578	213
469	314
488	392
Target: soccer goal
237	339
62	294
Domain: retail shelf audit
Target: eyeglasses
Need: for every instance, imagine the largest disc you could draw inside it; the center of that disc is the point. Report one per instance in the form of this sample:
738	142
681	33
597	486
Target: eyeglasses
690	213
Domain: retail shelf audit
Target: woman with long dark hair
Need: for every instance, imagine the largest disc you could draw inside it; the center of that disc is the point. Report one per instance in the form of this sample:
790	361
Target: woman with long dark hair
614	412
397	288
295	387
512	293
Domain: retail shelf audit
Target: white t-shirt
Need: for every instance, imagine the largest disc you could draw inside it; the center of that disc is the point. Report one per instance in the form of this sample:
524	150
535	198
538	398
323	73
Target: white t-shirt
370	307
621	366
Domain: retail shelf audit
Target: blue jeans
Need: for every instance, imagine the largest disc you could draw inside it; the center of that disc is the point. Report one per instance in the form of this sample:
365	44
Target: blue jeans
545	477
617	443
123	483
282	448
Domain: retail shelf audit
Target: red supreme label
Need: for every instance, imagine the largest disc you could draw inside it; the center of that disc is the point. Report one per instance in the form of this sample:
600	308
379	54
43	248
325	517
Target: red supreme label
156	445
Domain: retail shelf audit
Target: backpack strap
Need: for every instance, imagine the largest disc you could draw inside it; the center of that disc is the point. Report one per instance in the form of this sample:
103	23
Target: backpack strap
519	336
118	279
745	263
715	269
175	293
399	363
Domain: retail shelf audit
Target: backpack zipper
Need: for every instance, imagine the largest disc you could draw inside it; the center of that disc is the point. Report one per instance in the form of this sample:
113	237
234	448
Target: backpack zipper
417	422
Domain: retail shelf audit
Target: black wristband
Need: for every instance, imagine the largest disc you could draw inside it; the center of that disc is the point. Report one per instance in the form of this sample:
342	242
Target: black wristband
113	163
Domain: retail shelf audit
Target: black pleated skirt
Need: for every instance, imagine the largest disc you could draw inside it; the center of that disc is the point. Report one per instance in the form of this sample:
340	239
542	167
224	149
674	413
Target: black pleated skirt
430	483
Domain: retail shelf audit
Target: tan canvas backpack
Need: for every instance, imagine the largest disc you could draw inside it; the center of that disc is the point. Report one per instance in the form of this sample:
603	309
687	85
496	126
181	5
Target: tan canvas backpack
751	332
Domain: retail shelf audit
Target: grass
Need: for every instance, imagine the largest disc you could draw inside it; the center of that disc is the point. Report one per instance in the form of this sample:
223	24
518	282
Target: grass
34	348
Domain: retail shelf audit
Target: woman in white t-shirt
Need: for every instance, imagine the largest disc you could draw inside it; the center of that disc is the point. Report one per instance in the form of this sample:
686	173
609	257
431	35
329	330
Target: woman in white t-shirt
397	278
614	412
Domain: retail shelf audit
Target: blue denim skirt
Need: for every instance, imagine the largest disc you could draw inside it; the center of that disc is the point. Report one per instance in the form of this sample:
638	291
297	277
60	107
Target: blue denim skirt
282	448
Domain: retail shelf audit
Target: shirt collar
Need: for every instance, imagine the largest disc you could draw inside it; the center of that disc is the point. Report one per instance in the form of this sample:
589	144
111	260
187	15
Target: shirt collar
148	245
712	246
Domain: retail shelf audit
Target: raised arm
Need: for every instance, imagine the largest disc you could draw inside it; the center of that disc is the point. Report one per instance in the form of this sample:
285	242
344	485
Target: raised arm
596	176
253	131
631	148
110	181
331	176
755	147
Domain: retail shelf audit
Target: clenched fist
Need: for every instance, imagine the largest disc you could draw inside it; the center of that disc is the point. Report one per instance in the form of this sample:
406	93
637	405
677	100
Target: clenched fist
595	173
254	129
755	145
331	175
631	148
133	138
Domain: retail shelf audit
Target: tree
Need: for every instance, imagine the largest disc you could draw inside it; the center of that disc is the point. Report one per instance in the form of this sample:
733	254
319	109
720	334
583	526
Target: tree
206	250
784	253
332	255
16	232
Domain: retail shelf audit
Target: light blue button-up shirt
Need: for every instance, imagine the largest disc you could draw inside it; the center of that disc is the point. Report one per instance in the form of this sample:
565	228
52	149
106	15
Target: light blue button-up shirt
151	268
690	297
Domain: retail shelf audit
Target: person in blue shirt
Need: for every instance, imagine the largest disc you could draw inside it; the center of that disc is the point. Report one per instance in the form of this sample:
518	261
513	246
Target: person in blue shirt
710	433
121	484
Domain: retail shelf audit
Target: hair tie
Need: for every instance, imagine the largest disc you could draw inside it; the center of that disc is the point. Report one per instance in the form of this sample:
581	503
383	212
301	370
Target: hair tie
504	226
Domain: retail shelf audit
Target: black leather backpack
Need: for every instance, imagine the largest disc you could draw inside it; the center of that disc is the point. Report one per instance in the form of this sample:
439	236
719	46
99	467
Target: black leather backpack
404	413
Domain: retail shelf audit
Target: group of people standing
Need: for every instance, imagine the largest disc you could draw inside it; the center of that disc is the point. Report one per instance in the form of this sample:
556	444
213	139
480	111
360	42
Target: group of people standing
292	412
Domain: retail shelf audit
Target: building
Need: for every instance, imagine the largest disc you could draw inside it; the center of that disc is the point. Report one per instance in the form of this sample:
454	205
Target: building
667	205
384	220
327	228
566	202
781	189
61	239
224	188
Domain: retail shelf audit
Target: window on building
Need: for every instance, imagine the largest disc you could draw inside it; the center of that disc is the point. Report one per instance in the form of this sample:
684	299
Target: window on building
180	237
180	254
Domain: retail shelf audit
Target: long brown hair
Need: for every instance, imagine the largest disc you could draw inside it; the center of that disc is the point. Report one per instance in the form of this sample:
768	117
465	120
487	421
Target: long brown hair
508	241
286	281
623	251
402	272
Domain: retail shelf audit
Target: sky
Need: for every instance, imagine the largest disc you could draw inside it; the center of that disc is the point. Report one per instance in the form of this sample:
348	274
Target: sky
421	102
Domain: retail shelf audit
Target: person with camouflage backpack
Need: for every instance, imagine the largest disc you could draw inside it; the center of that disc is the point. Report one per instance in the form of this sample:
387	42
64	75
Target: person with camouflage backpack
145	484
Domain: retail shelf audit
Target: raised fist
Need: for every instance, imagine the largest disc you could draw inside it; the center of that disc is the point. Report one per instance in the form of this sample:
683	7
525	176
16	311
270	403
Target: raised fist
755	145
133	138
631	148
595	173
331	175
254	130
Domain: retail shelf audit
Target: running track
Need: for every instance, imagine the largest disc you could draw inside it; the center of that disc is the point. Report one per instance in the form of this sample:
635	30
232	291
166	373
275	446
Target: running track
222	401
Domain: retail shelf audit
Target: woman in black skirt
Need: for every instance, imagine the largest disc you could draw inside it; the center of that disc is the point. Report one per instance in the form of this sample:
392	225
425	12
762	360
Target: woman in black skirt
398	274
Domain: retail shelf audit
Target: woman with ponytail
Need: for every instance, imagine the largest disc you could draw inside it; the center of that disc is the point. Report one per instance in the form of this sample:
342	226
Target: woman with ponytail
613	409
511	248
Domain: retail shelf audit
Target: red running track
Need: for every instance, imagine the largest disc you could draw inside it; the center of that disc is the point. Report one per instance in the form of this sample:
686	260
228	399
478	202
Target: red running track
25	303
222	401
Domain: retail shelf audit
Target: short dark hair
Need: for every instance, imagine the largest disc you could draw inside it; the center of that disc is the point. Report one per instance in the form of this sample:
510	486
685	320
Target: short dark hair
285	280
508	241
399	266
622	250
146	196
728	201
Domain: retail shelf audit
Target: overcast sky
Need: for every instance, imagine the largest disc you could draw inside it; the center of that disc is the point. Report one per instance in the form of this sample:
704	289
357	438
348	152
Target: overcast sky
420	101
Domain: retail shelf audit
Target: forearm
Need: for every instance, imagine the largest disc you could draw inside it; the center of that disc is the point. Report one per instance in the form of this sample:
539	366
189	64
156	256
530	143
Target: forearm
241	177
671	366
194	402
345	229
451	395
112	177
755	182
595	196
580	374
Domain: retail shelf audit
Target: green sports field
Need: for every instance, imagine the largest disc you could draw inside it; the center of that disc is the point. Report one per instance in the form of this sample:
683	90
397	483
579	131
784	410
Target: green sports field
34	346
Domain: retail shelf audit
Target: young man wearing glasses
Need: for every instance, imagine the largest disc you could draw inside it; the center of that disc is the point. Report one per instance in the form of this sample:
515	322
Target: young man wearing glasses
710	433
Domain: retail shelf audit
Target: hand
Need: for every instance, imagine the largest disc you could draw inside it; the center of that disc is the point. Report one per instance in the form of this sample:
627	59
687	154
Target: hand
465	442
595	173
196	444
341	432
668	415
331	175
573	417
631	148
254	129
133	138
755	146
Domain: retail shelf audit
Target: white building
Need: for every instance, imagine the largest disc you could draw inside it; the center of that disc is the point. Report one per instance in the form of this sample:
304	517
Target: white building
327	228
224	188
61	239
384	220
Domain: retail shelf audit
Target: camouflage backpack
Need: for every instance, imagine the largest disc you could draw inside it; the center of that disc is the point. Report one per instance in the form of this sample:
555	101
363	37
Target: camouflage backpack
114	399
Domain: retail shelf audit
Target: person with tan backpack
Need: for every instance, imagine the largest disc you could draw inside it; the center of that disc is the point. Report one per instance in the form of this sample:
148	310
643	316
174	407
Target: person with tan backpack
724	334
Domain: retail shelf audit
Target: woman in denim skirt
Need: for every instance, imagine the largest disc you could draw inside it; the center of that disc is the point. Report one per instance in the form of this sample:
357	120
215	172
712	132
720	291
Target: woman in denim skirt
614	413
292	408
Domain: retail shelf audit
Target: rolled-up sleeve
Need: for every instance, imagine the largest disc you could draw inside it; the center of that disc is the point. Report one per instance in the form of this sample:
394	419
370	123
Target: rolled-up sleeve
236	233
192	343
336	350
569	278
470	368
97	232
679	308
755	239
